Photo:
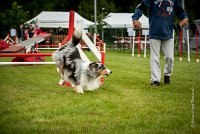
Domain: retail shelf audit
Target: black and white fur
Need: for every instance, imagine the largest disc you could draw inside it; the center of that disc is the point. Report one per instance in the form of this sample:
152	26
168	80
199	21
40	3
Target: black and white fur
81	74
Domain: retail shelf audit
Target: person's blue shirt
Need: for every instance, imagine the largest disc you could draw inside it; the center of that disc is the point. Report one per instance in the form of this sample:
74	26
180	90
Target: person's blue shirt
161	16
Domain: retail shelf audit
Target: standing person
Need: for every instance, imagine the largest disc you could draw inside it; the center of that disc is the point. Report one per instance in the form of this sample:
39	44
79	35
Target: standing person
20	33
30	31
61	31
161	17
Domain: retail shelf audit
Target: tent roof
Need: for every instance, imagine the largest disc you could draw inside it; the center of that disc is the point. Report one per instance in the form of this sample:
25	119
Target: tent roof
124	20
53	19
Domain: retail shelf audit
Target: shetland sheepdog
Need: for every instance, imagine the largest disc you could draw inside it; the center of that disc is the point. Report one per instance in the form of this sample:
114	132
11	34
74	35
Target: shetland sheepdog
72	68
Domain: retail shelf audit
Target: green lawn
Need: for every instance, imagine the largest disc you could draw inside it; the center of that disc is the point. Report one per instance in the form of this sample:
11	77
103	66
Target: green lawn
32	102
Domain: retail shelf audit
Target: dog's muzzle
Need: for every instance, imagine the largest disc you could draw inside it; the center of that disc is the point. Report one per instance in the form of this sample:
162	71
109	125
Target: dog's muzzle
108	72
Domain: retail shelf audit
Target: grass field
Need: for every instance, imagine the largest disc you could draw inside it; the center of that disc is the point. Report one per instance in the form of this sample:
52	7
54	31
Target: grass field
31	101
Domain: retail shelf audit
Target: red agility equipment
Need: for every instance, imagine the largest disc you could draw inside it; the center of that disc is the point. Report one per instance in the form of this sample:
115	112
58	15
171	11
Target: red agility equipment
24	54
3	45
102	57
70	29
71	25
139	42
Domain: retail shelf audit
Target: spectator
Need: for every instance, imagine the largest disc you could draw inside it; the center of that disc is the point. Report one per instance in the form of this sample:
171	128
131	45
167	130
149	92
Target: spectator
37	30
30	31
51	31
20	33
61	31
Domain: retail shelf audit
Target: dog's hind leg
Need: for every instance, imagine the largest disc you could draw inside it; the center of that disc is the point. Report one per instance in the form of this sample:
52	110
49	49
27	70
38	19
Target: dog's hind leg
78	89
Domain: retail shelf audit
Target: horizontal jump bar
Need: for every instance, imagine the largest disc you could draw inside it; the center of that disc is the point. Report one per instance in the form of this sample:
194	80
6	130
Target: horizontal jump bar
47	48
24	54
27	63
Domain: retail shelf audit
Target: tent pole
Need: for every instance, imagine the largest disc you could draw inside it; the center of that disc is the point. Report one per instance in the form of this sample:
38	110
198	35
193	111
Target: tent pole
95	20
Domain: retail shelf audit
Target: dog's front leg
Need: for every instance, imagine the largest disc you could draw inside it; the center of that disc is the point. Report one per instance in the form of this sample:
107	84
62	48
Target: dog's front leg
78	89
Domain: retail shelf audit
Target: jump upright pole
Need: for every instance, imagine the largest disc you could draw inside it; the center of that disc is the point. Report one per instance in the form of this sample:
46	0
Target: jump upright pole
71	25
70	29
188	45
139	43
181	44
133	45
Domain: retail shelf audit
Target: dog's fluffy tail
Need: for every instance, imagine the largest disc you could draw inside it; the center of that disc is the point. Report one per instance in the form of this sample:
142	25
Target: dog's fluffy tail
77	34
56	56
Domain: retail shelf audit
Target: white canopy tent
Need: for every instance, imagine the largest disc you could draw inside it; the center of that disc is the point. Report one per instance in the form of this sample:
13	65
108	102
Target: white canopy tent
124	20
53	19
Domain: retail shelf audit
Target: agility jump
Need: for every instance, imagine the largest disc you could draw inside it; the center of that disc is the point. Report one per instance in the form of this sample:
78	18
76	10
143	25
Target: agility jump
188	45
137	40
99	55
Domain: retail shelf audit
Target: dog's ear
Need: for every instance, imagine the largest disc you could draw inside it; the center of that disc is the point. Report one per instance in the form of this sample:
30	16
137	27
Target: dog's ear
92	65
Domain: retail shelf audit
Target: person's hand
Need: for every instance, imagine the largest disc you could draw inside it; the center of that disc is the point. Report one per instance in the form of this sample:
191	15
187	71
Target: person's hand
136	24
183	22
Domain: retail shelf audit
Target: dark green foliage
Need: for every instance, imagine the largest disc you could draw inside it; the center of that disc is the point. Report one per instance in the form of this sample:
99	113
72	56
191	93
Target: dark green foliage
12	18
24	10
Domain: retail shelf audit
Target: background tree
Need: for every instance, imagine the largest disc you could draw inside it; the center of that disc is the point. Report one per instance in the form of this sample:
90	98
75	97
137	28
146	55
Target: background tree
31	8
12	18
104	7
86	8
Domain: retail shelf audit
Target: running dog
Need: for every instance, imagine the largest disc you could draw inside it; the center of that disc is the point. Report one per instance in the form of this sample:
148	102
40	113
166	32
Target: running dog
81	74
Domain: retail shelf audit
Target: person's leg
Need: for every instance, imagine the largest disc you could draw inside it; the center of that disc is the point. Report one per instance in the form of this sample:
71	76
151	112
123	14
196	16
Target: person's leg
168	48
155	60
